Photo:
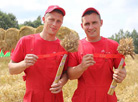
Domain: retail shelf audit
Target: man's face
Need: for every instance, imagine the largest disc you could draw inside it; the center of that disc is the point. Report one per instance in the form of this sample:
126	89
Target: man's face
52	22
91	25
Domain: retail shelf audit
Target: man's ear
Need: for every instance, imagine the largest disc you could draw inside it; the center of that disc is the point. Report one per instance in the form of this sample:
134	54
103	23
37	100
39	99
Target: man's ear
101	22
43	19
81	25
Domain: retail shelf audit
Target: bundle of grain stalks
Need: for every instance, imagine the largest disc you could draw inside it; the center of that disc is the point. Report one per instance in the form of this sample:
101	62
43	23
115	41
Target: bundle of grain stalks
11	38
74	32
26	30
39	29
126	47
2	34
70	42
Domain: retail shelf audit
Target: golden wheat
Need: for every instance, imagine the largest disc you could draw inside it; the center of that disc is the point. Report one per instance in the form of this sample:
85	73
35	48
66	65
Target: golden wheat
12	87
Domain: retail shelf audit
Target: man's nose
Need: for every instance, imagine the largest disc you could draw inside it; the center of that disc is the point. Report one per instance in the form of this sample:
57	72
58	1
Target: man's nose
91	26
54	23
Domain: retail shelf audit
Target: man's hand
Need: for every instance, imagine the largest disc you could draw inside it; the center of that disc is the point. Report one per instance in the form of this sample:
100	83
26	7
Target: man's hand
17	68
119	75
30	60
56	87
87	61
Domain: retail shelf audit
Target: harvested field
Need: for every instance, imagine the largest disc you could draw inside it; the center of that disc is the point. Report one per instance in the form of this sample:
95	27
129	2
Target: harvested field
12	87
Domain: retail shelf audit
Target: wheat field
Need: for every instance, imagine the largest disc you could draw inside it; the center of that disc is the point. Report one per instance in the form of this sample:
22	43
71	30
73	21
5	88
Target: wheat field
12	87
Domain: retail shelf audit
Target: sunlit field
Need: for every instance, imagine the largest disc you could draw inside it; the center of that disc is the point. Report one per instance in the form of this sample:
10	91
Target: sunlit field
12	87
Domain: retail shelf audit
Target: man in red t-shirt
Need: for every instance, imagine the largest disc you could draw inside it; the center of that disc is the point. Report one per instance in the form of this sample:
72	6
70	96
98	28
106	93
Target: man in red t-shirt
40	73
94	74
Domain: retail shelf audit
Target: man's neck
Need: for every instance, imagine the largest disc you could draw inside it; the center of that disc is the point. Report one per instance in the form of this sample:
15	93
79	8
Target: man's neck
48	37
94	39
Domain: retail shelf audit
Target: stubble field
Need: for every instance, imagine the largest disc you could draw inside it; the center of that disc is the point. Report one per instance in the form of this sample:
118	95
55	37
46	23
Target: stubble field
12	87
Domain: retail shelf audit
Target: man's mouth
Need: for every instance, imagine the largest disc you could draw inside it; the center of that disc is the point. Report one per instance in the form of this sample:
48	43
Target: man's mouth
53	29
92	31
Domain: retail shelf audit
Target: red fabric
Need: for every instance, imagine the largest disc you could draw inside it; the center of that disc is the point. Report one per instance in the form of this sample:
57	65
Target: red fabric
51	55
5	52
108	55
39	77
94	83
53	7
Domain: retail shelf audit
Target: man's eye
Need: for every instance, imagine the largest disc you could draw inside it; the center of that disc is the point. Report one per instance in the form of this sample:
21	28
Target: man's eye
94	22
59	21
51	19
86	24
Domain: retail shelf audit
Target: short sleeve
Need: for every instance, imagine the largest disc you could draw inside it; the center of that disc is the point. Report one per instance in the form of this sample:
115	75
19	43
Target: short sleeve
18	53
72	59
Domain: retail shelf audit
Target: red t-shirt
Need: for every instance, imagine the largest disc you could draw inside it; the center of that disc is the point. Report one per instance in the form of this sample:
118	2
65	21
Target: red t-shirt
39	77
94	83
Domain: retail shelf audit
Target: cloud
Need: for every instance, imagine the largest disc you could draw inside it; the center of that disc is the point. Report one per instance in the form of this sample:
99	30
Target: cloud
132	21
116	14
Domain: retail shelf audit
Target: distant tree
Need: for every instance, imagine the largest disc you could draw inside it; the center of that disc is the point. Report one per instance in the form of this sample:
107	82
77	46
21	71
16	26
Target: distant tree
34	23
122	34
134	35
118	36
8	21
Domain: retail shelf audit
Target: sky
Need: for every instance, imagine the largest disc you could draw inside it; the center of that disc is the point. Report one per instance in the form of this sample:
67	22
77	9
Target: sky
116	14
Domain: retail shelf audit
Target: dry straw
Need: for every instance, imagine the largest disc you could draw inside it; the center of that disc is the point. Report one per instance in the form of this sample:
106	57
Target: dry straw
62	32
2	34
11	38
3	45
126	47
39	29
26	30
70	42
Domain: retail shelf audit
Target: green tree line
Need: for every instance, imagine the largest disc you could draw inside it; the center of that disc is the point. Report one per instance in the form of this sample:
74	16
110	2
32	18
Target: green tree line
9	21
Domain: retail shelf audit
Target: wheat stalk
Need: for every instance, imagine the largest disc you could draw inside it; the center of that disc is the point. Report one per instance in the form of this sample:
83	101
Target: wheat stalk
126	47
70	44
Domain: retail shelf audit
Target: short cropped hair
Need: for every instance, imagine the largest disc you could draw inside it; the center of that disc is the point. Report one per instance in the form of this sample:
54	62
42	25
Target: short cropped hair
90	12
